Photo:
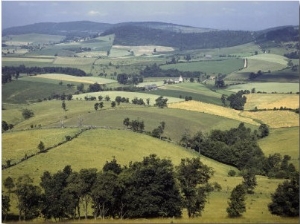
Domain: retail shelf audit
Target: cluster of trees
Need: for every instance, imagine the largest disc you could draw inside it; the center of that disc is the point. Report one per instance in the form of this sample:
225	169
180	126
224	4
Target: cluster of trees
12	70
253	75
292	55
134	125
239	147
124	78
236	100
144	189
6	126
155	71
161	102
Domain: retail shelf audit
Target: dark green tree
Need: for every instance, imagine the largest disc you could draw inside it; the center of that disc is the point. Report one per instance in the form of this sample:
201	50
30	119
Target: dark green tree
161	102
96	106
118	99
249	181
5	206
237	100
5	126
263	130
193	177
113	104
151	189
107	98
63	105
285	200
26	113
28	198
223	99
237	205
9	184
41	146
57	201
112	166
101	105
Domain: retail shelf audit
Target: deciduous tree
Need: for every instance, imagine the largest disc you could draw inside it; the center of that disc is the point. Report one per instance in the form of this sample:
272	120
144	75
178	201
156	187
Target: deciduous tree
237	205
193	177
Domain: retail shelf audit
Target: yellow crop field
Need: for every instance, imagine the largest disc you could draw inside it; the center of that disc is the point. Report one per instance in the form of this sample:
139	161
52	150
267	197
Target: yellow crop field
270	101
213	109
275	119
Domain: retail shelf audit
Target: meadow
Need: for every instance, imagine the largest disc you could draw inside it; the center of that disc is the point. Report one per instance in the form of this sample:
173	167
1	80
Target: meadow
209	66
99	146
268	87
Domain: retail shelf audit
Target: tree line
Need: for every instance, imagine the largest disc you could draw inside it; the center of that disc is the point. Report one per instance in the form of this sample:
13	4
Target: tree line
14	71
150	188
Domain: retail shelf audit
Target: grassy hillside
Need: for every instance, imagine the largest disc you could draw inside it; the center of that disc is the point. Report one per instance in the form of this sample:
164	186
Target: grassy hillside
284	141
99	146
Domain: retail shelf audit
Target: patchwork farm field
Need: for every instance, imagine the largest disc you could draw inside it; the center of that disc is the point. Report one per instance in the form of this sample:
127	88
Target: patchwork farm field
103	135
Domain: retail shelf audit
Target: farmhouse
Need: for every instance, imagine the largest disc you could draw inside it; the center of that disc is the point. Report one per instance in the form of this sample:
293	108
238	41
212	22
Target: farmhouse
174	81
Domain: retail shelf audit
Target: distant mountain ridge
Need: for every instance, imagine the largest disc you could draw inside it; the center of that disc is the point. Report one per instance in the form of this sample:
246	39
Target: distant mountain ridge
159	33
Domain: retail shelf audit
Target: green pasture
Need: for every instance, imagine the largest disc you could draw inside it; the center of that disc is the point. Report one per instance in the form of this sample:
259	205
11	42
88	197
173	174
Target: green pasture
23	91
130	95
197	91
100	145
244	50
284	141
209	66
16	144
268	87
51	114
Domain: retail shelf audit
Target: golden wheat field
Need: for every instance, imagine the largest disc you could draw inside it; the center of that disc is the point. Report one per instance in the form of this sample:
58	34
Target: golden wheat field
270	101
213	109
275	119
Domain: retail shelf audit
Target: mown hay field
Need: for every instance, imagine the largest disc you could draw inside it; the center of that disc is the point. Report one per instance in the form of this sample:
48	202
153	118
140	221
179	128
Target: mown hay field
284	141
275	119
271	101
213	109
16	144
70	78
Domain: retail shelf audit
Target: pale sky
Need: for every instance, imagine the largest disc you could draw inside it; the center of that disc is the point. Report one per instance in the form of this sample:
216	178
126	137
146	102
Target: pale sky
232	15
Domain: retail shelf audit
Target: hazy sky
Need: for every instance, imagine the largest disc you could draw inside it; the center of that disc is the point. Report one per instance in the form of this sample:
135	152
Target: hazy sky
233	15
